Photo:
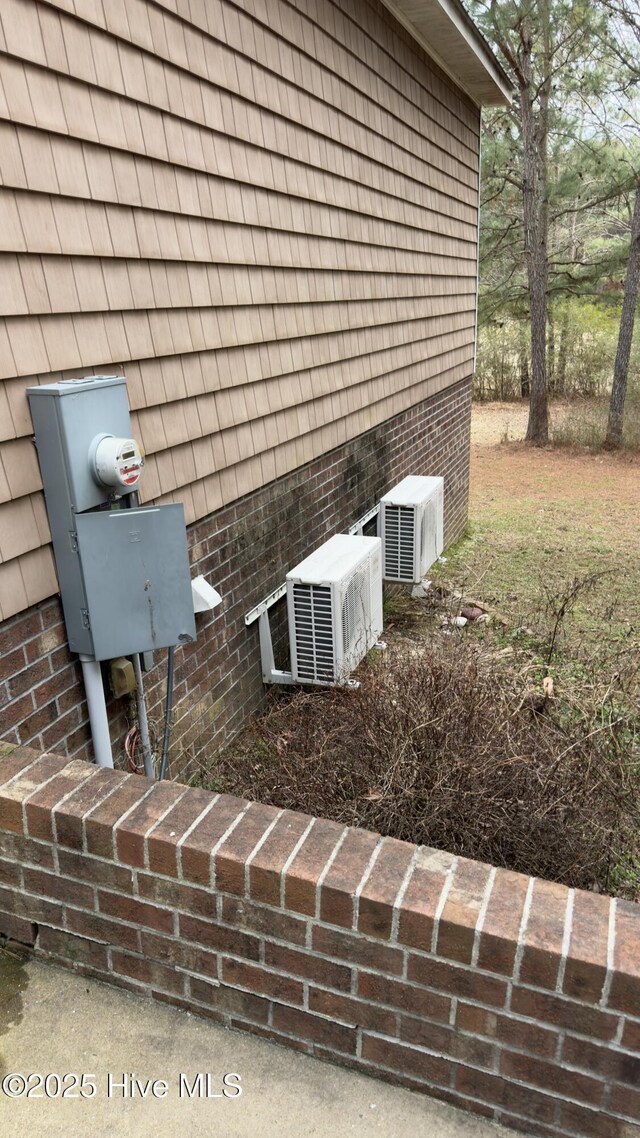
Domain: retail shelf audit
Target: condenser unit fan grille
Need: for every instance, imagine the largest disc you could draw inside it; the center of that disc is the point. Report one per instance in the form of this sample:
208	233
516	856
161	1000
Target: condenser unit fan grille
313	632
428	544
399	522
356	615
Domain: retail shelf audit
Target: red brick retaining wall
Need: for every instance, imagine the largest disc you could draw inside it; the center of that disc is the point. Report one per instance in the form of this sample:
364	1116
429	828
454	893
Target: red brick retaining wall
508	996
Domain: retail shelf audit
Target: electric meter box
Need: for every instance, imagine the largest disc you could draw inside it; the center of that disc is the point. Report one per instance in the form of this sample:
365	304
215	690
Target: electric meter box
68	419
123	573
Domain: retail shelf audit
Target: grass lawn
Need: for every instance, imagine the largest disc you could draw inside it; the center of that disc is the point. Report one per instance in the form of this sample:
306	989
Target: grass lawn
543	522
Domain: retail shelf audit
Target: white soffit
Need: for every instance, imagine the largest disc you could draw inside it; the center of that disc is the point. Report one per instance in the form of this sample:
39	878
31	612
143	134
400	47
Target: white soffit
448	34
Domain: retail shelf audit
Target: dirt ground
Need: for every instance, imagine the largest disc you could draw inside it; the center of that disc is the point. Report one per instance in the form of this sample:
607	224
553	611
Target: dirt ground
501	462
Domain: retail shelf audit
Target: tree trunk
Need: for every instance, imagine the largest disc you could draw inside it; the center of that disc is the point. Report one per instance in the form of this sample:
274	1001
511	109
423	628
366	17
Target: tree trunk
535	129
563	350
538	425
563	347
551	352
525	381
625	334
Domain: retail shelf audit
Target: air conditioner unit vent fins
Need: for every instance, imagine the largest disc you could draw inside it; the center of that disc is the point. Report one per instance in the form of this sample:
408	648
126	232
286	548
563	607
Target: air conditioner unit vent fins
399	524
314	632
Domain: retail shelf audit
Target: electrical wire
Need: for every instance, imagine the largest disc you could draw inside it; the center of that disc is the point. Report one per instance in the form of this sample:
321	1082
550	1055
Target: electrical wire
130	743
143	722
130	502
167	718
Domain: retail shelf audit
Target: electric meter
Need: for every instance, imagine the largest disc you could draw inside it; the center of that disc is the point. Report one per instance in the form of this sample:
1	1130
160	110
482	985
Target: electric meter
124	574
116	463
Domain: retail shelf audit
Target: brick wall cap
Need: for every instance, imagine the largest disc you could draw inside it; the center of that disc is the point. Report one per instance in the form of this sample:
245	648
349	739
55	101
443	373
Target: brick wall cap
381	867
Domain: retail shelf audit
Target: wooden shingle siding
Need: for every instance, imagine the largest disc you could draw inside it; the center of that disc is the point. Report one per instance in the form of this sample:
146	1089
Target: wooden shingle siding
263	213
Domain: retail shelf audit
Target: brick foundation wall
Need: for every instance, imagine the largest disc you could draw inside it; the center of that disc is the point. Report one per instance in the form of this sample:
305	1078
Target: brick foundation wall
245	550
508	996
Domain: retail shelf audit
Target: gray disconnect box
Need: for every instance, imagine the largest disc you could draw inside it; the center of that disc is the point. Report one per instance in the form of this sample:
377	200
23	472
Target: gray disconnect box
123	573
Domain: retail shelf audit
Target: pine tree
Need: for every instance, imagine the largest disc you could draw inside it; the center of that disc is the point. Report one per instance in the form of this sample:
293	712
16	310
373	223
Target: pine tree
553	49
625	335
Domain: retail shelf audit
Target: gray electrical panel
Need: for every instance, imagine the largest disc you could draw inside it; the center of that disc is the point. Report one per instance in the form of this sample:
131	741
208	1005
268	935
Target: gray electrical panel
123	573
134	566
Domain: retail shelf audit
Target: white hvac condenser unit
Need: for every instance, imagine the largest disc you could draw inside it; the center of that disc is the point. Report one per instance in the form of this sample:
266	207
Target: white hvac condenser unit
334	600
411	526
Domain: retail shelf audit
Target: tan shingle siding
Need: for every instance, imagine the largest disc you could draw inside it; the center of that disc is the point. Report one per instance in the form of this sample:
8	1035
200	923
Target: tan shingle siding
101	113
20	472
26	580
13	594
110	230
263	213
264	367
58	342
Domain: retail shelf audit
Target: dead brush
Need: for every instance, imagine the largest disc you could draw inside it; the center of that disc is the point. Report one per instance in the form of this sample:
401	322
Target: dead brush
438	747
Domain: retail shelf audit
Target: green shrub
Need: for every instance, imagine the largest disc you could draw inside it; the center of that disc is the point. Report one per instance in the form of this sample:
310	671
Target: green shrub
581	348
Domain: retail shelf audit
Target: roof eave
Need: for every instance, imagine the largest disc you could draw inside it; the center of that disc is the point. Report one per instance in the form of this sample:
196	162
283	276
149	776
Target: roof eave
448	34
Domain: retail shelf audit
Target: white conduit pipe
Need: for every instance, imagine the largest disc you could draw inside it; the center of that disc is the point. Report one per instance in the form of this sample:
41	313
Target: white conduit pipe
96	703
143	723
